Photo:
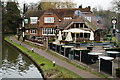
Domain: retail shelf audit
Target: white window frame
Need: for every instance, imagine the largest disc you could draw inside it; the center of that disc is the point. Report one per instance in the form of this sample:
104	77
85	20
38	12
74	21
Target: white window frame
44	31
33	20
48	19
67	18
33	31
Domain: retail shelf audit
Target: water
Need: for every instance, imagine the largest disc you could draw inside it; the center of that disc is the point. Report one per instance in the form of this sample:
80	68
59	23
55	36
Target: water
16	65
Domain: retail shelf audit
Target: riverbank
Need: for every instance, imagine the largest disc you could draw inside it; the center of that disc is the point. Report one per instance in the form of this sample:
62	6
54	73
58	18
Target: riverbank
48	70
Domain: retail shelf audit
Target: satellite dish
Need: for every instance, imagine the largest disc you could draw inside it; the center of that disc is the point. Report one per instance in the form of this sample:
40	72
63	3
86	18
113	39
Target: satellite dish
77	13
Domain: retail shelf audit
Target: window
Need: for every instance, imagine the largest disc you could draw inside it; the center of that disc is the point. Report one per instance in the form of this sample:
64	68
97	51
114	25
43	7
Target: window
88	18
48	31
85	26
33	31
48	19
77	25
33	20
86	35
81	25
81	35
67	18
77	35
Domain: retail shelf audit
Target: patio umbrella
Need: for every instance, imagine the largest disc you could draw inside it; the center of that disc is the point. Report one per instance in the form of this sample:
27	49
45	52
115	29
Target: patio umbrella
69	37
60	36
91	35
65	30
76	30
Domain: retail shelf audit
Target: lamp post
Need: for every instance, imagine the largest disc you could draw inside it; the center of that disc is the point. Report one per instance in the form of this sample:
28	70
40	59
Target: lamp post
114	21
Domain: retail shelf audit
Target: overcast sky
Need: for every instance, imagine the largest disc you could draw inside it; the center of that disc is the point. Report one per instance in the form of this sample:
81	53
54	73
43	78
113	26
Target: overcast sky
104	4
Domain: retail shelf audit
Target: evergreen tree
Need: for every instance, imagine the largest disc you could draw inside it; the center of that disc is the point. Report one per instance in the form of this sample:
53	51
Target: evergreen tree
10	17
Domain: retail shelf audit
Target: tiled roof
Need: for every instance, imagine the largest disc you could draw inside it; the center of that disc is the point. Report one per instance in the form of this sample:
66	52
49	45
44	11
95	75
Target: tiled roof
93	25
64	13
31	26
59	12
34	13
65	23
69	12
98	25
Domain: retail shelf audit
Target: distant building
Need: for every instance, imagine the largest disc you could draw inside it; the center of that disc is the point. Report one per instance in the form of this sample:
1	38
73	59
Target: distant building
43	23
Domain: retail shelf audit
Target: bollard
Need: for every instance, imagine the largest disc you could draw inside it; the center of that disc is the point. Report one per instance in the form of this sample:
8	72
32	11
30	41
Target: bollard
32	50
53	63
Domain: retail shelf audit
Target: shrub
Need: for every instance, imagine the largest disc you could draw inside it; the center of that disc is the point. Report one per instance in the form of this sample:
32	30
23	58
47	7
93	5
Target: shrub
71	51
19	36
113	49
51	40
118	72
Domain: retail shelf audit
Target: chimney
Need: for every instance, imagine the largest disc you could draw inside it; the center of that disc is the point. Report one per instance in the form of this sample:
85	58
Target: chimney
89	8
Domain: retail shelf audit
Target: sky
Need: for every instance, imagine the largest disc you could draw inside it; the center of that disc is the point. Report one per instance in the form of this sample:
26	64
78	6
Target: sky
104	4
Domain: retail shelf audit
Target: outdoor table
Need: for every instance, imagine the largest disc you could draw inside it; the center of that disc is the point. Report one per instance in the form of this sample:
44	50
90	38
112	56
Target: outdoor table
67	50
89	47
59	47
106	64
93	56
107	46
77	44
50	45
54	46
77	54
113	53
80	55
94	53
106	43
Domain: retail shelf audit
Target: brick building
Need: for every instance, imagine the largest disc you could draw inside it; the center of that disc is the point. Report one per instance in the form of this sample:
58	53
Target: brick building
42	23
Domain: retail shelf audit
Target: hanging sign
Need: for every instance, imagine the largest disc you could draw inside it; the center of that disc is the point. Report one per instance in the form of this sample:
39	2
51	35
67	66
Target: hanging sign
26	21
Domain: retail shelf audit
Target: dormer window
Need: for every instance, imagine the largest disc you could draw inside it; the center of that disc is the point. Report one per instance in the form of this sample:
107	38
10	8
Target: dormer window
48	19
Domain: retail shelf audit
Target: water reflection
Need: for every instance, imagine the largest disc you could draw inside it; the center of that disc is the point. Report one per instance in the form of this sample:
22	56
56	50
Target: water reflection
16	65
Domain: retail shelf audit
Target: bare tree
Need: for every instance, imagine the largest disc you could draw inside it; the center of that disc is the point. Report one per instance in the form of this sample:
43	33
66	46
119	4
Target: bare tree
33	6
116	7
56	5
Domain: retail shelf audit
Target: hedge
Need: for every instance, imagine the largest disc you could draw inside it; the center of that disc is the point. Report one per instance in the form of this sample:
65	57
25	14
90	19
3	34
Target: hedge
118	72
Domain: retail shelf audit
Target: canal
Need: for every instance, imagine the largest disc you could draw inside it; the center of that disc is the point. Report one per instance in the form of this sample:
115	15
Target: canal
17	65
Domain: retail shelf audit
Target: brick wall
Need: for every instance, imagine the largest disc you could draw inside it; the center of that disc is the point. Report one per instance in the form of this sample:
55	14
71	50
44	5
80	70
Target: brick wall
47	25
